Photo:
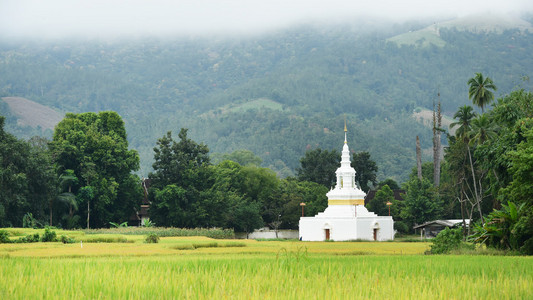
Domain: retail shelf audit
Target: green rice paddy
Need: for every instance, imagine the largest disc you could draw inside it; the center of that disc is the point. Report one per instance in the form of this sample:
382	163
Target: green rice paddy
204	268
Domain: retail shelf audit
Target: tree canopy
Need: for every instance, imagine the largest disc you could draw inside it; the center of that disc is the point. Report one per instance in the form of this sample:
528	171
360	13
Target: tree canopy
365	170
319	166
95	147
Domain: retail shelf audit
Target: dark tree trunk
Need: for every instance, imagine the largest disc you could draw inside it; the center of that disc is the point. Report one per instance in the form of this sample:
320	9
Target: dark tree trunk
418	158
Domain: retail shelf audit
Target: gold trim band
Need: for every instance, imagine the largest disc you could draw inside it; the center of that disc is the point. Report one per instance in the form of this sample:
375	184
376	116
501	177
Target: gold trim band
347	202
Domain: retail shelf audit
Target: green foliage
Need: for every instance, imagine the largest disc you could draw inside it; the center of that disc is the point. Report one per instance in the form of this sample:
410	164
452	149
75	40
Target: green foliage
4	237
464	117
118	239
95	148
508	229
401	227
390	182
246	217
208	245
448	240
66	240
378	204
27	179
365	170
291	193
30	238
421	205
147	223
49	235
180	176
28	221
319	166
481	90
216	233
152	238
242	157
520	189
118	225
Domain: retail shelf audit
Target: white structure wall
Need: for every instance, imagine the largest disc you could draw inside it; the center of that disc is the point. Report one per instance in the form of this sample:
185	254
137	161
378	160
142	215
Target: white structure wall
366	226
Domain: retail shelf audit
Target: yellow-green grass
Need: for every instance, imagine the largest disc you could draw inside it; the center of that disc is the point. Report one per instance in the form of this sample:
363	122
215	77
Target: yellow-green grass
174	268
185	245
254	276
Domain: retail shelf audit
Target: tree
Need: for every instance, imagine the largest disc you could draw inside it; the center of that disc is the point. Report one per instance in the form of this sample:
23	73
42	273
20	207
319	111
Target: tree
520	189
95	147
178	162
171	207
365	170
378	204
464	117
391	183
418	158
471	187
481	90
242	157
482	129
420	204
66	181
27	179
292	192
319	166
180	178
437	124
246	217
508	228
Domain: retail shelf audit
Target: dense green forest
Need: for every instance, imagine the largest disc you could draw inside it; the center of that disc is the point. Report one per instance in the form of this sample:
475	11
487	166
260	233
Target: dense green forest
277	94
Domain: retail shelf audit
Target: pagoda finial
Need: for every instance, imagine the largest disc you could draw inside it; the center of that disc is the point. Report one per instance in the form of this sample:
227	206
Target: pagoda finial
345	130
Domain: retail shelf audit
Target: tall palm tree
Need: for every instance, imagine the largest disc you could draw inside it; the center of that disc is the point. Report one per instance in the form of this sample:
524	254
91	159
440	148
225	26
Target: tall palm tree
464	117
68	179
480	91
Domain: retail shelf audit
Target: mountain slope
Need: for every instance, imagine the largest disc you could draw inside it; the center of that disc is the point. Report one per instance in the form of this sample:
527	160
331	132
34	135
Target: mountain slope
277	95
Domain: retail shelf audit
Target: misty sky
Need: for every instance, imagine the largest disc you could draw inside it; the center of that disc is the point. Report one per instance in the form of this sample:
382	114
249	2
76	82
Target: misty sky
101	18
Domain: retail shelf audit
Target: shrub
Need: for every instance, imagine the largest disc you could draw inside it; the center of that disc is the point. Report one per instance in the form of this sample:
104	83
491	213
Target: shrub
30	238
66	240
401	227
107	240
216	233
184	247
205	245
28	221
49	235
448	240
147	223
4	237
152	238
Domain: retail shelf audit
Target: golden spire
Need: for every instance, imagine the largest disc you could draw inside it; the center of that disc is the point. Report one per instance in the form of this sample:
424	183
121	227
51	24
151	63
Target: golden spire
345	130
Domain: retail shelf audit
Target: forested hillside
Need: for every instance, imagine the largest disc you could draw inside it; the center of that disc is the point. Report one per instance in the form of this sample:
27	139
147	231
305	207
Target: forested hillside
276	94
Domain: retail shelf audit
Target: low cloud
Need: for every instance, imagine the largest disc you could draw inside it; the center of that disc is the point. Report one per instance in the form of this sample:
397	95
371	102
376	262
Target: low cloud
96	18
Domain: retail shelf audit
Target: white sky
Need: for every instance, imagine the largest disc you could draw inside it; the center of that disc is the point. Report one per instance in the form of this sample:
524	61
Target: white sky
100	18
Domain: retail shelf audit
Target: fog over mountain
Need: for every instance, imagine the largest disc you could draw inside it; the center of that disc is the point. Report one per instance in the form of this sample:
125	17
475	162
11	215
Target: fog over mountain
104	18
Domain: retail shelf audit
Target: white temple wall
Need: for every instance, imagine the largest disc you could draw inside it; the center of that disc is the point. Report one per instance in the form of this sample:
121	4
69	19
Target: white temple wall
345	229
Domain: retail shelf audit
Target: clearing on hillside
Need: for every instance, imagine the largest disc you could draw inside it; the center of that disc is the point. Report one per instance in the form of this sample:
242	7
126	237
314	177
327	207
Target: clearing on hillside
32	114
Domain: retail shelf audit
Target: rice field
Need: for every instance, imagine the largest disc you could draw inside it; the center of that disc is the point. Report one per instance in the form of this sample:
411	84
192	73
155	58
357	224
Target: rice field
205	268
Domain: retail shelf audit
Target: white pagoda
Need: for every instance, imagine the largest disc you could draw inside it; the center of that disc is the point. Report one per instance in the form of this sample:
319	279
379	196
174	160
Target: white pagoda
346	217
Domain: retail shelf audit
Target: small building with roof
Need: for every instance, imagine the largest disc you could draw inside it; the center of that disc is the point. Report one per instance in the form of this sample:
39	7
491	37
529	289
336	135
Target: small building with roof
430	229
